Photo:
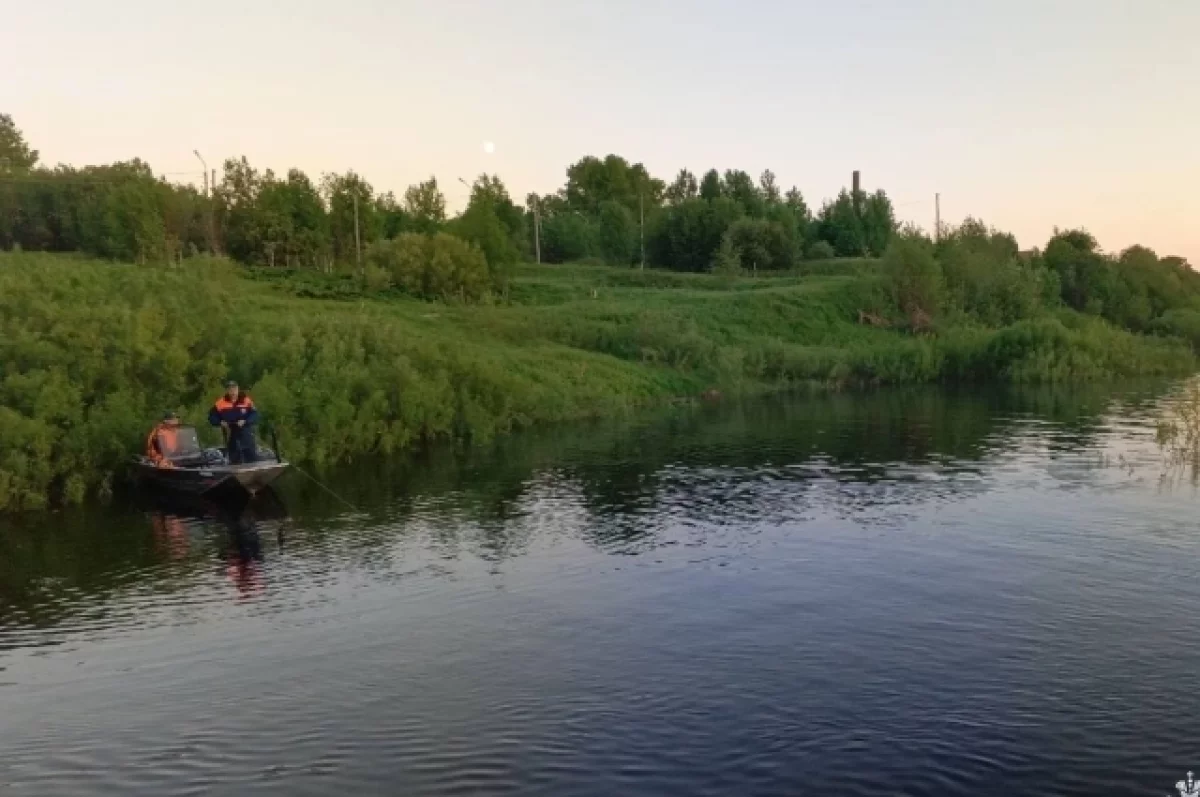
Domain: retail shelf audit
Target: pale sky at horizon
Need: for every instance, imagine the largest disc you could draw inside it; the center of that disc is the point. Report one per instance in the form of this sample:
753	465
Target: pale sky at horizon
1029	115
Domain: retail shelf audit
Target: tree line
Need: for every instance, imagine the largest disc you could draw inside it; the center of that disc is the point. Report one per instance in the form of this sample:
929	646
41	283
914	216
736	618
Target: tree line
609	210
976	274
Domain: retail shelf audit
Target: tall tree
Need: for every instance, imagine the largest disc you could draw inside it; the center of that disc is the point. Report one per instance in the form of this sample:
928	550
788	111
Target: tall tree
591	181
770	188
350	197
426	206
494	224
710	185
839	223
616	233
878	222
683	188
740	187
15	153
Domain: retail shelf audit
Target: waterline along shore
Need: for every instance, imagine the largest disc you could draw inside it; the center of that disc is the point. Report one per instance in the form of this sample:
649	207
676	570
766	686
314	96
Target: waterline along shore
92	351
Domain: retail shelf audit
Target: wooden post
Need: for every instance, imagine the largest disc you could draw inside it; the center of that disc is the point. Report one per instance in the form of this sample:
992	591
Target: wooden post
357	240
642	226
537	231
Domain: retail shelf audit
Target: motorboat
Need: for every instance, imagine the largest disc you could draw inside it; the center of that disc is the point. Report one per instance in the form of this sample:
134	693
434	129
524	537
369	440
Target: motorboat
188	468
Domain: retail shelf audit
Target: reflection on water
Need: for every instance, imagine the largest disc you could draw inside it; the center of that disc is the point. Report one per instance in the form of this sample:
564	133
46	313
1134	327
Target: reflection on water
911	592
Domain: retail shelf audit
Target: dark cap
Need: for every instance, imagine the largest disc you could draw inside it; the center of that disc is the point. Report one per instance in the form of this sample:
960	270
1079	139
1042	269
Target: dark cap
170	415
231	383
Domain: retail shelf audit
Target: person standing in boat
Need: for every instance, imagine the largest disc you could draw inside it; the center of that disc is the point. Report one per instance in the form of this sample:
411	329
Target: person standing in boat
235	414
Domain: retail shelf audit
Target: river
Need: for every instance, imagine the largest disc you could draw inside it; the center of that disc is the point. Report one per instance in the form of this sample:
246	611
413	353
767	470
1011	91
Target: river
910	592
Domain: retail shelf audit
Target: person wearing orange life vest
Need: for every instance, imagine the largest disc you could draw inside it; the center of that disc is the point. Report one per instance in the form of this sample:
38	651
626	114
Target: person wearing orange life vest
235	414
161	442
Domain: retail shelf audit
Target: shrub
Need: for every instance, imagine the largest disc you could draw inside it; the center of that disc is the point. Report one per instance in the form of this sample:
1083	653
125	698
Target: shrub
914	275
432	267
820	250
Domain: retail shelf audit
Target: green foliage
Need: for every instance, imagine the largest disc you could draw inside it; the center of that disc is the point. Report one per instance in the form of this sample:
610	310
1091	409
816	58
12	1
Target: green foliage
1134	290
914	275
739	186
591	182
728	260
351	201
15	153
682	189
840	224
686	236
616	233
878	222
820	250
762	244
425	206
985	277
566	236
436	266
91	352
494	224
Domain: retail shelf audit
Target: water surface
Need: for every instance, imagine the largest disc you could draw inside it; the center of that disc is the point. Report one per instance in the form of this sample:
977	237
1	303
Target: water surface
912	592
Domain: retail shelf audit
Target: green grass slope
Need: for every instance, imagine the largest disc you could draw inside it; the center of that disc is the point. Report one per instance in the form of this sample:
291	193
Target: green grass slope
92	352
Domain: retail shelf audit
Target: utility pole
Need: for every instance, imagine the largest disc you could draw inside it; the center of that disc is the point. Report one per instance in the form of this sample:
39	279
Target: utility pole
937	217
208	191
642	225
537	230
357	240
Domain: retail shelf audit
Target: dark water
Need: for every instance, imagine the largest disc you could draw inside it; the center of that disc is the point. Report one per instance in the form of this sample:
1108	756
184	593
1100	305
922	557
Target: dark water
916	593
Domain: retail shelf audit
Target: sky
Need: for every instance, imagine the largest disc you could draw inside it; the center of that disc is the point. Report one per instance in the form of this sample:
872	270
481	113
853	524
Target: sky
1027	114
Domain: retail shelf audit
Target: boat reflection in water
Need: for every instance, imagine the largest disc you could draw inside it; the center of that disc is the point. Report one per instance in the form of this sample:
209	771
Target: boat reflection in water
182	523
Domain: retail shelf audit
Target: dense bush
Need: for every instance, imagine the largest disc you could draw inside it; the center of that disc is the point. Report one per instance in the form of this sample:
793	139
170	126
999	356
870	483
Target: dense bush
985	277
762	244
820	250
915	276
432	266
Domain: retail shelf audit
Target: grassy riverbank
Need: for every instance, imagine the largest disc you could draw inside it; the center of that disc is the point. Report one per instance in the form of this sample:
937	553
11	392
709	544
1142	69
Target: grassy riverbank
92	352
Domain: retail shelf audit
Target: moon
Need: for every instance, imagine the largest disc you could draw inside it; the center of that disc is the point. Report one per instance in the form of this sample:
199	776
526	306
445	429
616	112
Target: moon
489	147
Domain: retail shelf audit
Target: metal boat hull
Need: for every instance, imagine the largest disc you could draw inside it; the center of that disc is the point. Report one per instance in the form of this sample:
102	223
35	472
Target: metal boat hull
205	480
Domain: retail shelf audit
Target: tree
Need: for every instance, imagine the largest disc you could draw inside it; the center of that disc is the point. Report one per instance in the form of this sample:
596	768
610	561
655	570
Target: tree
740	187
685	237
1087	278
762	244
770	189
495	225
683	188
878	222
616	233
307	239
15	153
914	275
350	196
425	206
591	181
985	277
840	225
490	189
237	210
728	260
566	236
393	218
710	186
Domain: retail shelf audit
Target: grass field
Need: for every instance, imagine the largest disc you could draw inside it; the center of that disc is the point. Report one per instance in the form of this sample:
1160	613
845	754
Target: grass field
92	352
